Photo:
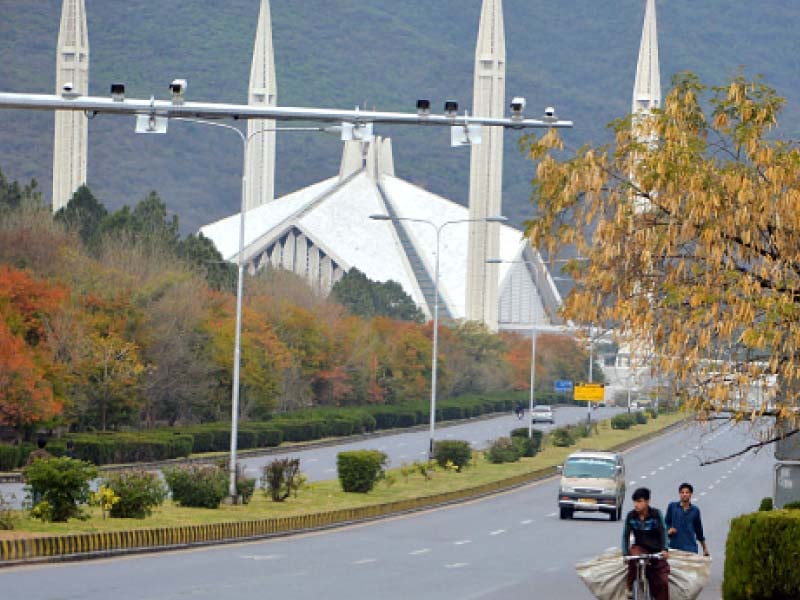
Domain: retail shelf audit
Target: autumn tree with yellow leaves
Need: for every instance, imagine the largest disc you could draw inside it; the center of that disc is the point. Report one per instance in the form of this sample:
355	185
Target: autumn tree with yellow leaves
689	224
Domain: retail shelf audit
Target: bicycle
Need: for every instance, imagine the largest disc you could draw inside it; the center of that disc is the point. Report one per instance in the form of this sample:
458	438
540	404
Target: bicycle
641	588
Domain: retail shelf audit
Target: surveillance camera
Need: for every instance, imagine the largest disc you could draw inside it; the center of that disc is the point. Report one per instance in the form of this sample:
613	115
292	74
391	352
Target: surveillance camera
178	88
450	108
550	114
118	92
423	108
67	87
518	104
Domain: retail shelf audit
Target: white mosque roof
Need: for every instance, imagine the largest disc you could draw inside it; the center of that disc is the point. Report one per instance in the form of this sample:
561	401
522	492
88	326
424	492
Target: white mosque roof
334	215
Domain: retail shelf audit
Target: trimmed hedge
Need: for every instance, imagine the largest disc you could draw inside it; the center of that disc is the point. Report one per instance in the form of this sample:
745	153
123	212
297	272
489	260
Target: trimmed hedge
457	452
761	557
359	470
9	457
530	447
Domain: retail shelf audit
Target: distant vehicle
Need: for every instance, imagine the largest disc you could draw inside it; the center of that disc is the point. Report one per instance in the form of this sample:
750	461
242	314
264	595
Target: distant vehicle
542	413
592	481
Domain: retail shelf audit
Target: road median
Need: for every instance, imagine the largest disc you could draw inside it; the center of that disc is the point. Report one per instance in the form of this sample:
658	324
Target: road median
184	528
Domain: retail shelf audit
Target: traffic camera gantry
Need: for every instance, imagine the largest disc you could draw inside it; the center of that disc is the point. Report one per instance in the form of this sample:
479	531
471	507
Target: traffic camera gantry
152	115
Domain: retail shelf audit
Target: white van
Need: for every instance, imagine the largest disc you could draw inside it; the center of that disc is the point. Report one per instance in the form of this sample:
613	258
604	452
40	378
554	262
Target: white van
592	481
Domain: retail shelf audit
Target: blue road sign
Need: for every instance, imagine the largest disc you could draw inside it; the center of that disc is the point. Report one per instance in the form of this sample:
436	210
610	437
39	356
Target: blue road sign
562	385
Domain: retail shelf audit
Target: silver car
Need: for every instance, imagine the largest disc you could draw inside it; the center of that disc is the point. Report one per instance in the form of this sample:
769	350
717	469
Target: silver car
542	413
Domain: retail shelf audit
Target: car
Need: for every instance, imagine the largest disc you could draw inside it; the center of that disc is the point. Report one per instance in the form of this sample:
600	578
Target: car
592	481
542	413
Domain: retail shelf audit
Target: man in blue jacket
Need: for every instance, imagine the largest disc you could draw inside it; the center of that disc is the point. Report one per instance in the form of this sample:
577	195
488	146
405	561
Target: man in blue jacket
684	522
646	525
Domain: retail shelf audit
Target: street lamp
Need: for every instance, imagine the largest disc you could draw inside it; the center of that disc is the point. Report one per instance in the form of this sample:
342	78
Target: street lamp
495	261
245	139
434	360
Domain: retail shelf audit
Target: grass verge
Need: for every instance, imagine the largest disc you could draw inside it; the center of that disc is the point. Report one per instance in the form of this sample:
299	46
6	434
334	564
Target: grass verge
326	495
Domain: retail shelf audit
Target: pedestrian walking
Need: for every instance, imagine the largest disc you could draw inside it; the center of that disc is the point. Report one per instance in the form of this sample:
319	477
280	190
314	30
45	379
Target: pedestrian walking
684	523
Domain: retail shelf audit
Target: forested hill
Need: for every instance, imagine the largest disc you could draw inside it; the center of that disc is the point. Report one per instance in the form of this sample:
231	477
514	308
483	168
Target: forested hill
577	55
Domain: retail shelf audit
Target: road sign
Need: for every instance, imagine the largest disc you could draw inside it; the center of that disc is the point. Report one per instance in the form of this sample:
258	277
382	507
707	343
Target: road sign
591	392
787	483
562	385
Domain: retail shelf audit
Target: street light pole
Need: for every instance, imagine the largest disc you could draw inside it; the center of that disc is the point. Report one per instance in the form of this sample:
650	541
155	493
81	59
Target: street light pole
435	350
533	380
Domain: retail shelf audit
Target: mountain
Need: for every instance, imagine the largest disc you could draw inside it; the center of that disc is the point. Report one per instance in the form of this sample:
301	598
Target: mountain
576	55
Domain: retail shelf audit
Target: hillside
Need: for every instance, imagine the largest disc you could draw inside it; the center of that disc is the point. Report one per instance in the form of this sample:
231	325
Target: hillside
578	56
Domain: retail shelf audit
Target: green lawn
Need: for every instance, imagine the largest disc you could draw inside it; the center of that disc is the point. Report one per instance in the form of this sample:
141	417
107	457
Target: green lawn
326	495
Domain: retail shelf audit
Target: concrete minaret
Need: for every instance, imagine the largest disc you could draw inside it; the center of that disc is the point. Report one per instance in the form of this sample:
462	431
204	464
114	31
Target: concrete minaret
71	131
647	87
486	167
263	91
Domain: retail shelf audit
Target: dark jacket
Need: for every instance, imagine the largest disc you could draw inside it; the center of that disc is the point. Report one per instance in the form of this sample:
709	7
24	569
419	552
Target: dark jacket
650	533
689	526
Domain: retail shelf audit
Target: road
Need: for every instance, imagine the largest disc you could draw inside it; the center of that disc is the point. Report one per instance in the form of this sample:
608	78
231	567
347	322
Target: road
320	463
505	546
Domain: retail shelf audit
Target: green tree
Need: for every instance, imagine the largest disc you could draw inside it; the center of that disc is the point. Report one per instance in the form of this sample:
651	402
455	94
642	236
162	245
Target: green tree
83	213
362	296
690	223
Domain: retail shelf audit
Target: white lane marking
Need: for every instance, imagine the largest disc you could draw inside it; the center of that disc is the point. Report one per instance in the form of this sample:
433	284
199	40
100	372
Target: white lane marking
660	468
260	556
551	570
632	482
676	460
424	453
644	476
462	542
552	514
365	561
711	487
497	532
458	565
401	444
653	473
702	493
420	551
669	464
526	522
449	435
330	470
402	456
309	460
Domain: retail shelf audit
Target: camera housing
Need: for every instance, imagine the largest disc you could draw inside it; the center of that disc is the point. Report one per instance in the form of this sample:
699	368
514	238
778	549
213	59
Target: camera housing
517	107
451	108
178	89
423	108
118	92
550	114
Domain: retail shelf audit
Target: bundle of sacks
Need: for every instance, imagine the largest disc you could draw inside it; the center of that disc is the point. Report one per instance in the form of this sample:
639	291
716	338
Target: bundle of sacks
604	575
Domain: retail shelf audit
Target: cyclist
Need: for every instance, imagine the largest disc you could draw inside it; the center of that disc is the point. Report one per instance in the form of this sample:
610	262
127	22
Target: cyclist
649	531
520	410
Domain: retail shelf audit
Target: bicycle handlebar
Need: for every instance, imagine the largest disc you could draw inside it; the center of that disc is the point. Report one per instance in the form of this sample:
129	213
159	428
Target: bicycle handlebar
643	556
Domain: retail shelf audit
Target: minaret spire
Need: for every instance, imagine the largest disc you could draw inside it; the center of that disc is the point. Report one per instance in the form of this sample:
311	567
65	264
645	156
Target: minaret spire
71	127
647	88
260	169
486	167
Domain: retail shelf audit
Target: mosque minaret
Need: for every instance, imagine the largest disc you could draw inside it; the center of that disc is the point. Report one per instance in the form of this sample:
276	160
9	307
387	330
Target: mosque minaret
263	91
71	127
486	167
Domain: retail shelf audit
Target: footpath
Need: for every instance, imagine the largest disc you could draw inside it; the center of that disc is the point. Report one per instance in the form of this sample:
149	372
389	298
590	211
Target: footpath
35	548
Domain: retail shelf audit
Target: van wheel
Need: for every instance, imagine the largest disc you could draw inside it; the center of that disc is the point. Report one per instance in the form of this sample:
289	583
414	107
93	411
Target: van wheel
565	513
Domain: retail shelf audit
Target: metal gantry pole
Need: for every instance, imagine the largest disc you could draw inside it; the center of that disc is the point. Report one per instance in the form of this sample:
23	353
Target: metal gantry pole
533	379
435	360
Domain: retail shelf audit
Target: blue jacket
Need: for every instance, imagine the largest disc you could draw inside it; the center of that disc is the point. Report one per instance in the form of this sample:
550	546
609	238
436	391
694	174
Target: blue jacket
689	526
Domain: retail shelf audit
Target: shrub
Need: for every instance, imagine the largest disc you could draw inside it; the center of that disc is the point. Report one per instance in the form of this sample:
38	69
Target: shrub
792	505
535	440
760	556
406	419
279	477
562	437
504	450
202	486
359	470
8	518
457	452
766	504
622	421
139	492
640	417
63	483
245	486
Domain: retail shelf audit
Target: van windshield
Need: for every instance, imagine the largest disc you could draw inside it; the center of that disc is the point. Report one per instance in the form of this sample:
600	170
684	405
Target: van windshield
589	467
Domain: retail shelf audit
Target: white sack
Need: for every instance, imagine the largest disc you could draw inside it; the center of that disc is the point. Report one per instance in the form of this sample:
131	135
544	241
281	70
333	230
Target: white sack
604	575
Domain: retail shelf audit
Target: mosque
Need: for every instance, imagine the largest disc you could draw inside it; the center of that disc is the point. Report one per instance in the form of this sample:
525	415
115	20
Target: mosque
485	271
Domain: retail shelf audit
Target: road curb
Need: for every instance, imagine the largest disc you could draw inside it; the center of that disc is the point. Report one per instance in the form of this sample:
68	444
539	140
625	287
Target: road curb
83	546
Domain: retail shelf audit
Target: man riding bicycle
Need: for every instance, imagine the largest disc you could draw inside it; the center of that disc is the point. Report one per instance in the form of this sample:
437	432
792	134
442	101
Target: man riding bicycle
649	531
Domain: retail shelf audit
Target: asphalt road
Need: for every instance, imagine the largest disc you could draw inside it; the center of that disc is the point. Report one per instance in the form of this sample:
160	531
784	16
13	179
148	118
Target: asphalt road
505	546
320	463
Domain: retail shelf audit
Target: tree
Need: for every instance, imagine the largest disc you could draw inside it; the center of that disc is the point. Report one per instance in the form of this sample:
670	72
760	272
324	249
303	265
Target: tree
367	298
690	223
83	213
